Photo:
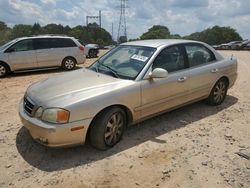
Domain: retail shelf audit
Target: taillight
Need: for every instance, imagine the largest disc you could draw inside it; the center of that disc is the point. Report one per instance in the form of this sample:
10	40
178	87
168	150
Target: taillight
81	48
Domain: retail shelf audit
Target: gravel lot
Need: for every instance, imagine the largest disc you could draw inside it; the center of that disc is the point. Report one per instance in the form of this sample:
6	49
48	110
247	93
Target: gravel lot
194	146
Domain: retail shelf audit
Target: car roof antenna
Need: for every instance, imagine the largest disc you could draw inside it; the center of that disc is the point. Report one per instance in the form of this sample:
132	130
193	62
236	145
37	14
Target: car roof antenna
232	56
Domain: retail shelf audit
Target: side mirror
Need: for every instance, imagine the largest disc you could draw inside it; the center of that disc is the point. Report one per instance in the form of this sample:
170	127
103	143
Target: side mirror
158	73
10	50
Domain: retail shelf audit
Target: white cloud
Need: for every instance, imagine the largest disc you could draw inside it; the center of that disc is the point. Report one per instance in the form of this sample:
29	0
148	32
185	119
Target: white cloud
49	2
180	16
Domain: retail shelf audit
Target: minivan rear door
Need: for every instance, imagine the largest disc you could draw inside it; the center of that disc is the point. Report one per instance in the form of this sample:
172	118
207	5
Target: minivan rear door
22	55
46	52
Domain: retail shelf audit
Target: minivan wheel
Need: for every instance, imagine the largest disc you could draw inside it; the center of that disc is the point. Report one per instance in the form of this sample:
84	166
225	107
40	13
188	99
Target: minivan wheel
108	128
218	93
68	63
4	70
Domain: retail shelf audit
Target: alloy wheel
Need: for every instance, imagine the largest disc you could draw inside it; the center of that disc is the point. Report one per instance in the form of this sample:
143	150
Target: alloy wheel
2	70
114	129
69	64
220	91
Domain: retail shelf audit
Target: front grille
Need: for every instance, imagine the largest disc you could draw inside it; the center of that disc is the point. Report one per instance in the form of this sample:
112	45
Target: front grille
28	106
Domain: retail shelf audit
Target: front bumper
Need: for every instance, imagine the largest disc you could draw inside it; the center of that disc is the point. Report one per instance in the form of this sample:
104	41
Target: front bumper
55	135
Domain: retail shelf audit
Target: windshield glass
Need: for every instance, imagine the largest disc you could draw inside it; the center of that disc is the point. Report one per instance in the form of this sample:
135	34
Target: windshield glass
124	61
7	44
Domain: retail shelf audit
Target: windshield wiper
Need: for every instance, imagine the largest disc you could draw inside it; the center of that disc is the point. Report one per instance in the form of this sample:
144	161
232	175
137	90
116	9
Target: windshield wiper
109	68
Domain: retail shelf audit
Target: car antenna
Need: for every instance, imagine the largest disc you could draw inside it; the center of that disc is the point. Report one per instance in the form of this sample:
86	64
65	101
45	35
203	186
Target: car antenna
232	57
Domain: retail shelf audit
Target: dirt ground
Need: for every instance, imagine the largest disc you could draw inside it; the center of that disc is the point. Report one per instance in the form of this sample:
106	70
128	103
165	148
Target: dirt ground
194	146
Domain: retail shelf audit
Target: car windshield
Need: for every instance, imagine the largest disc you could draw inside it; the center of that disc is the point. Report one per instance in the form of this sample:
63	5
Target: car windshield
7	44
123	61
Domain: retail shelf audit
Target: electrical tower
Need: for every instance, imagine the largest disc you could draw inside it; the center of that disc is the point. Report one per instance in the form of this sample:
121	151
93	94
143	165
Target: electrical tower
122	29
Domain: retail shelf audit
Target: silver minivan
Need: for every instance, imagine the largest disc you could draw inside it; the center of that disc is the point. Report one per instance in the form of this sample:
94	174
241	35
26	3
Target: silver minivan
40	52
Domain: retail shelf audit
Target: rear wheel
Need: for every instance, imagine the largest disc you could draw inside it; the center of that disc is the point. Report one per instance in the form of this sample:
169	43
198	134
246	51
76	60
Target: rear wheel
218	93
4	70
108	128
68	63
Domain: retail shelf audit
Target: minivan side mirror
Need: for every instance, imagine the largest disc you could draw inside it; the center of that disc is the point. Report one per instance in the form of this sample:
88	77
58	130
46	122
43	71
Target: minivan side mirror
10	50
158	73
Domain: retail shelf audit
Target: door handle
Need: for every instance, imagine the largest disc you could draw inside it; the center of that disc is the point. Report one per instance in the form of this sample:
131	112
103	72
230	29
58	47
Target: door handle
214	70
182	79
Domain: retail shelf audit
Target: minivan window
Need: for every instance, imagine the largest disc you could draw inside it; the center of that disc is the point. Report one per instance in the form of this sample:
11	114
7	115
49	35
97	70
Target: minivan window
42	43
46	43
170	59
23	45
7	44
64	43
198	54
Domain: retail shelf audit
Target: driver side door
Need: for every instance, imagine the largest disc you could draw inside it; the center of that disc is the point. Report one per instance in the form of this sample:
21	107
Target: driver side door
22	55
160	94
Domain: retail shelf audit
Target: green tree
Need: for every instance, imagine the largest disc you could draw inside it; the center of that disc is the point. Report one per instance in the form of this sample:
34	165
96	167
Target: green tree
216	35
36	29
156	32
3	26
5	33
53	29
21	31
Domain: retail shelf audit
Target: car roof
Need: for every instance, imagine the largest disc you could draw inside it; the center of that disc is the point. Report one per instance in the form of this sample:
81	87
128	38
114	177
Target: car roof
44	36
155	43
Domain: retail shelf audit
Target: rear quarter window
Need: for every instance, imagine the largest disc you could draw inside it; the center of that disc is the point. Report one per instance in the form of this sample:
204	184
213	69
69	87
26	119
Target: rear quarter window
65	43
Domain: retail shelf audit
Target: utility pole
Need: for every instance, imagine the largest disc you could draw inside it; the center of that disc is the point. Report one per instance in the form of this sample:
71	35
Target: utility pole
112	31
100	18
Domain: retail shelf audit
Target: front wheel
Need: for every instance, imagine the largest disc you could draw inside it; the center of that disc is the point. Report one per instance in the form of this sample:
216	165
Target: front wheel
68	63
108	128
218	93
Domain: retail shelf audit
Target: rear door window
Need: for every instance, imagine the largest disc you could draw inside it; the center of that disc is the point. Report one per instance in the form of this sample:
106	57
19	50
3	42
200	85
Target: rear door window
198	54
42	43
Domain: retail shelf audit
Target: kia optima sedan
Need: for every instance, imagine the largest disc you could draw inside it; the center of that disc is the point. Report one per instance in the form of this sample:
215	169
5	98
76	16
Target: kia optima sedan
130	83
40	52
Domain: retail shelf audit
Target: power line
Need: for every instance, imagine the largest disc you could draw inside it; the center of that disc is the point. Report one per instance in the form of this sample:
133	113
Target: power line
99	18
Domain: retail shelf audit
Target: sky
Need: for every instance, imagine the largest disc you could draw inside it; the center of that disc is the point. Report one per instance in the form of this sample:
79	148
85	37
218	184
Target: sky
182	17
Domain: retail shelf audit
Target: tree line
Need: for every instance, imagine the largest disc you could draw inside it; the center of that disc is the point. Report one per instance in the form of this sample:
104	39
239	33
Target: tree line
94	34
213	36
86	34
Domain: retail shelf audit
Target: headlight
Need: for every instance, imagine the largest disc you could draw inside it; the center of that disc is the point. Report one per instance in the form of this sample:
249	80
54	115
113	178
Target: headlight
55	115
39	112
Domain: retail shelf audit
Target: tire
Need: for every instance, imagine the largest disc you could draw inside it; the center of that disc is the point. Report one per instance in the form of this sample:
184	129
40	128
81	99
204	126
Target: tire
108	128
92	53
218	93
68	63
4	70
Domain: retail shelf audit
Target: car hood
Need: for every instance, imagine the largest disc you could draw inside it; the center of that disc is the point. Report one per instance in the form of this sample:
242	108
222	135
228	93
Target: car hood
68	88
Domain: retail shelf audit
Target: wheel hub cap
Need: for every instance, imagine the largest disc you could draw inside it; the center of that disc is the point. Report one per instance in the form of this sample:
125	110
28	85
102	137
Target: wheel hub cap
2	70
219	92
114	129
69	64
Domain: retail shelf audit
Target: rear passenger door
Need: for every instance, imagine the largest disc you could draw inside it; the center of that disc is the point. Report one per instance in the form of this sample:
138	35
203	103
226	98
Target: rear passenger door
45	52
52	51
202	71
